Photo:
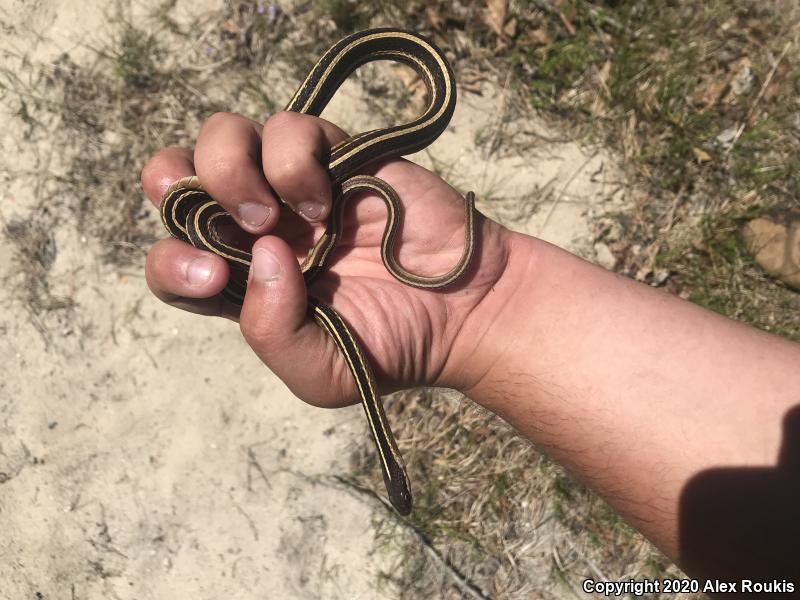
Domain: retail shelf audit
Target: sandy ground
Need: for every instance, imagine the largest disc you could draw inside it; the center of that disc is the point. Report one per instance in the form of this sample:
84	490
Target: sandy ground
129	467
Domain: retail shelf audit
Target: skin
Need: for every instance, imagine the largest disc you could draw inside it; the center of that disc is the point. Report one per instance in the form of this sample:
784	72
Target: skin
673	414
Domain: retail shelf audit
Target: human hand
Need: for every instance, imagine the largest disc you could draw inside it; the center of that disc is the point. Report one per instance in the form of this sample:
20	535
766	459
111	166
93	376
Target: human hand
411	336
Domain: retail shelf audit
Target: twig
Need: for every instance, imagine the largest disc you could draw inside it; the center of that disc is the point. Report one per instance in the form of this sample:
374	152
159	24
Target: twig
365	494
247	517
673	209
561	193
764	86
464	584
499	118
252	461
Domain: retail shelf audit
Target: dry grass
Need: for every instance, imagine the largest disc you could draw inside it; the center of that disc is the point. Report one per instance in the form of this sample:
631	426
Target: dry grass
500	517
699	100
498	514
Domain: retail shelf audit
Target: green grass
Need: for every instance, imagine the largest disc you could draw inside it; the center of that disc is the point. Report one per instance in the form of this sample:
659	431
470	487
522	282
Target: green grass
557	68
347	14
652	80
136	57
635	76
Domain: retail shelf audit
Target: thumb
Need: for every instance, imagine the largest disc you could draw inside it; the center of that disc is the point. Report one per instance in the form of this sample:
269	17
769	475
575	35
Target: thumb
275	322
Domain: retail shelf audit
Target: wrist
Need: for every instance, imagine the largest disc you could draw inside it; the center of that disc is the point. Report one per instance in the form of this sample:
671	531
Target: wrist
483	350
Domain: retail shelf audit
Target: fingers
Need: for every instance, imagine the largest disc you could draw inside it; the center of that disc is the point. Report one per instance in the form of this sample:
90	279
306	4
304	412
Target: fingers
187	277
274	322
168	165
227	158
295	157
235	169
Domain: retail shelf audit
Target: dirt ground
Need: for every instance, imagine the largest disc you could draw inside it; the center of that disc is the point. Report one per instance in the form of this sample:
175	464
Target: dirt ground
146	452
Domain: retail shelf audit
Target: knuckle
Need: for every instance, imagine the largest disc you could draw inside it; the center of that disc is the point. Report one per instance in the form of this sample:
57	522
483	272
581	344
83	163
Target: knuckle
228	167
148	171
157	266
288	171
282	120
218	119
157	257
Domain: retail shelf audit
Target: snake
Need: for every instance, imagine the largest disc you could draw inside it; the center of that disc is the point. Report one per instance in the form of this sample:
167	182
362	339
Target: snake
190	214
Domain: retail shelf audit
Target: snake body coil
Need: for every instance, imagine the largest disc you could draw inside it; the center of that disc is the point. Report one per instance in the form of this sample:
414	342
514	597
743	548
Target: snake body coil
191	215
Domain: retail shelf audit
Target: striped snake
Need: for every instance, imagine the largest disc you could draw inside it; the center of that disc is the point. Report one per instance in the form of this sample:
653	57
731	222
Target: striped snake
191	215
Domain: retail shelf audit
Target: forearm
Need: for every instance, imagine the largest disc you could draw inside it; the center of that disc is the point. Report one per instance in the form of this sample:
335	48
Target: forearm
632	389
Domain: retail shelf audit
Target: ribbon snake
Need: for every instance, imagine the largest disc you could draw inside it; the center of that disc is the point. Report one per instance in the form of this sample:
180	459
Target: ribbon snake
191	215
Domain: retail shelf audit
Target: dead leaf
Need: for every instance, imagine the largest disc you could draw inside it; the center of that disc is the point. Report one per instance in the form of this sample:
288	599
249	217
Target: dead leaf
473	88
567	20
417	90
407	75
776	246
729	24
470	80
231	27
741	79
471	75
541	37
710	91
434	18
773	91
602	77
510	28
481	433
701	155
496	14
599	108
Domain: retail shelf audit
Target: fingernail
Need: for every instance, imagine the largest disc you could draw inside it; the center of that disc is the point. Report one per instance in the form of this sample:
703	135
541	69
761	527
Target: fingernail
265	265
254	214
198	271
309	210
